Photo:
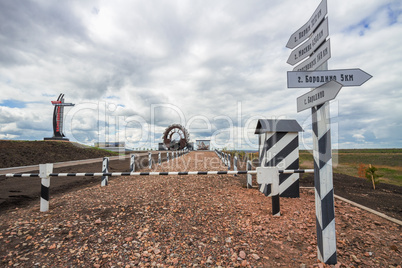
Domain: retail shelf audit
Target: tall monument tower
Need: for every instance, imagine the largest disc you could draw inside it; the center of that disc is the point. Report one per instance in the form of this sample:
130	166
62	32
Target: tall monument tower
58	114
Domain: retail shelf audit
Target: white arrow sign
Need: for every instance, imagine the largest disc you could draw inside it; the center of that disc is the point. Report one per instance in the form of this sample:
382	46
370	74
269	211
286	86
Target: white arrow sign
318	96
321	55
308	47
304	32
347	77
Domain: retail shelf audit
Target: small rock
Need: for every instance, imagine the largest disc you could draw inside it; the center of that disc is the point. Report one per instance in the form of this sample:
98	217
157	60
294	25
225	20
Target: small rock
129	239
234	257
209	260
255	256
242	254
302	265
244	263
355	259
98	221
368	254
228	240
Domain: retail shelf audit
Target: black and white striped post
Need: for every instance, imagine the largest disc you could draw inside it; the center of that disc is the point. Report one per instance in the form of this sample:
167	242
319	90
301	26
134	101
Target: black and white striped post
44	172
323	184
132	162
229	161
159	159
149	160
279	146
167	157
249	176
105	169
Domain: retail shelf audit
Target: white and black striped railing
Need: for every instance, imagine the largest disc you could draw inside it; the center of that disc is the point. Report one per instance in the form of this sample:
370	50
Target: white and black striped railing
114	174
46	172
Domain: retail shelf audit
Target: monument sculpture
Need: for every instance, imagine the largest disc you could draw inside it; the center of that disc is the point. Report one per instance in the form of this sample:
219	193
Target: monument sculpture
58	114
176	137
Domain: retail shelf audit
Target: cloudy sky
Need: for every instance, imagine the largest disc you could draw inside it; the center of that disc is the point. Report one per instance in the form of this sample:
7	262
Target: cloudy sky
132	68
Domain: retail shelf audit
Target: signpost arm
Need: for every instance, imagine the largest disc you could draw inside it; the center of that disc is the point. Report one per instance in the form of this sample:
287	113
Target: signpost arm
323	182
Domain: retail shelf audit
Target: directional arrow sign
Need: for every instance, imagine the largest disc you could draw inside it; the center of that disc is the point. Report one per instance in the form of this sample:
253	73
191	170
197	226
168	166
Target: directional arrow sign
347	77
307	48
318	96
321	55
304	32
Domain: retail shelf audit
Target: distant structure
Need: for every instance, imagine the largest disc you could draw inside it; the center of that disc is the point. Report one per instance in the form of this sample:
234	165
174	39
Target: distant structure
176	137
161	146
58	114
111	146
203	145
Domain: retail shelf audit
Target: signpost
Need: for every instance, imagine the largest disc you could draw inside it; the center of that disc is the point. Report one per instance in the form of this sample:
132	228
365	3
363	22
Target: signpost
311	79
305	31
318	96
313	72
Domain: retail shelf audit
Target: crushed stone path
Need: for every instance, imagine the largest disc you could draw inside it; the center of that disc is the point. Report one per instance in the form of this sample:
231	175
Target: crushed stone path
187	221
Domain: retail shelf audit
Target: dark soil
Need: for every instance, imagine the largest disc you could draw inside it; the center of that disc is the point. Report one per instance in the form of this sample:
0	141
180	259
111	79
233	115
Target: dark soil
386	198
26	153
15	192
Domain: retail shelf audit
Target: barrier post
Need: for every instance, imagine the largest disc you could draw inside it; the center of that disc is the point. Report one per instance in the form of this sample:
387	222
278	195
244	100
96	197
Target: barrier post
276	210
235	164
149	160
228	161
132	163
44	171
249	176
105	169
269	177
159	159
167	157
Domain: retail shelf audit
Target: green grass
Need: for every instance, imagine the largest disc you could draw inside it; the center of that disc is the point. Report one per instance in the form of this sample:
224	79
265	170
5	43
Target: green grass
388	162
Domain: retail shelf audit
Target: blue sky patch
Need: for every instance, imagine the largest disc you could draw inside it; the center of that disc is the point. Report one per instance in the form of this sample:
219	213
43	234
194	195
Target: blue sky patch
393	14
13	103
361	27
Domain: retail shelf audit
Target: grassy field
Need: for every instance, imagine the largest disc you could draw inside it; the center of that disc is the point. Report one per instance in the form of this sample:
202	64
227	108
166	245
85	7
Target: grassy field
348	161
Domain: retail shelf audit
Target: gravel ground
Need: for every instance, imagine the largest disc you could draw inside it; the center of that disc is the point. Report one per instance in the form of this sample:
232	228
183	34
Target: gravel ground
187	221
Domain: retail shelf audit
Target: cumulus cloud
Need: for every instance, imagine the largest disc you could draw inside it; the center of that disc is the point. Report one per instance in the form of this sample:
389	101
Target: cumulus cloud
135	67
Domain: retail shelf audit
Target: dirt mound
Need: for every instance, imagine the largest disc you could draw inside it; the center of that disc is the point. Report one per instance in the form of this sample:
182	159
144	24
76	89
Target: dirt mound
26	153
